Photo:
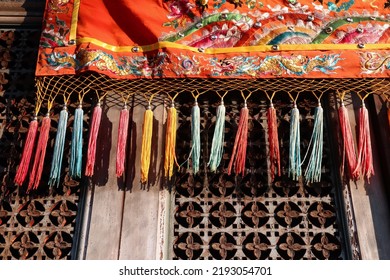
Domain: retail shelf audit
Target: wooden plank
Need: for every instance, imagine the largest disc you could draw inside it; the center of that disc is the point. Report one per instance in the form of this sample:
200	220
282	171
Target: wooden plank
141	207
369	203
107	201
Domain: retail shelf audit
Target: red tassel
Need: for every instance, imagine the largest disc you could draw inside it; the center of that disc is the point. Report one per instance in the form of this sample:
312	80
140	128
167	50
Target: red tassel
349	146
364	166
96	117
240	144
388	115
21	173
273	141
37	169
122	139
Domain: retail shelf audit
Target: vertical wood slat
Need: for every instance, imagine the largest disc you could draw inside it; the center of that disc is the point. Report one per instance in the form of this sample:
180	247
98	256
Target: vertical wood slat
103	237
369	203
141	206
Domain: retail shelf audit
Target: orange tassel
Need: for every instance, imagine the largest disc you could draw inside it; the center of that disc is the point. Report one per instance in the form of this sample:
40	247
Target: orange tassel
122	140
21	173
170	142
40	153
240	143
147	132
96	117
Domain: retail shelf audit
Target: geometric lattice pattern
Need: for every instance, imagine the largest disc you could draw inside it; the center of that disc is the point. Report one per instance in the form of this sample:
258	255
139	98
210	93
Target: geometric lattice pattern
41	224
226	217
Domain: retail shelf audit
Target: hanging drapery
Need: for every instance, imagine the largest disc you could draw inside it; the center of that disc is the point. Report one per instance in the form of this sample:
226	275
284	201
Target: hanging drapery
178	38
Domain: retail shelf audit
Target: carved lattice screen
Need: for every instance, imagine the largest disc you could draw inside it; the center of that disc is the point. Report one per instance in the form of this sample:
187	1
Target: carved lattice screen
222	217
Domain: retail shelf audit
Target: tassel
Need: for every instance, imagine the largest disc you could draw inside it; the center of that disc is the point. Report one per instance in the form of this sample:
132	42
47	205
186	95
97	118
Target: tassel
55	172
195	136
122	141
240	144
388	115
21	173
364	166
295	170
348	143
96	117
76	155
147	132
170	142
313	170
218	139
273	141
40	153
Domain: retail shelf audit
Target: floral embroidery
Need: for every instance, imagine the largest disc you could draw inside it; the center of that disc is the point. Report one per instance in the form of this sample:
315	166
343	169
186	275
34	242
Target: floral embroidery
373	63
54	34
125	65
186	65
276	65
160	64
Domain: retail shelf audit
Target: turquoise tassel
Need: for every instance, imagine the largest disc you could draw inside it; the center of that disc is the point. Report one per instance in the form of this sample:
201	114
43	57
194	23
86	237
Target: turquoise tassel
55	172
313	171
295	170
218	139
77	144
195	135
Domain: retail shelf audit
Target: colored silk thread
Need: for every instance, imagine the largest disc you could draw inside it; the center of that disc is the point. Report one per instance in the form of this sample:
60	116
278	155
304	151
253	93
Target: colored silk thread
348	144
170	142
122	141
40	153
240	144
295	170
146	149
364	167
314	166
91	155
76	155
273	141
56	164
21	173
218	139
195	136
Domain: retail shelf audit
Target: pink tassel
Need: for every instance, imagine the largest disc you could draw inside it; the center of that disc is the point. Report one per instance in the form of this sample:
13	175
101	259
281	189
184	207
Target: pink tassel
349	146
240	144
364	166
21	173
122	139
91	155
37	169
273	140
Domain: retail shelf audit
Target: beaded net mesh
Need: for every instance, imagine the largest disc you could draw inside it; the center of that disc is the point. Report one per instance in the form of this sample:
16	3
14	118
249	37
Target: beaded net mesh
162	88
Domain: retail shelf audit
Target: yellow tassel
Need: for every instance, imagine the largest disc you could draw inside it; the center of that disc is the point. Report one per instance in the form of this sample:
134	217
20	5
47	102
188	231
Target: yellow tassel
170	142
147	131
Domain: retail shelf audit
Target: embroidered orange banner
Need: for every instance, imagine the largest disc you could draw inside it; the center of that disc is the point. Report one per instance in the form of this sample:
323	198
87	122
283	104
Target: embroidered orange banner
128	39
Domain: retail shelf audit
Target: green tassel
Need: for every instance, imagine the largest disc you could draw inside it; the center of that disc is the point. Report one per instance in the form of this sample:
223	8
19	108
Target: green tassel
195	136
313	170
55	172
218	139
295	170
76	155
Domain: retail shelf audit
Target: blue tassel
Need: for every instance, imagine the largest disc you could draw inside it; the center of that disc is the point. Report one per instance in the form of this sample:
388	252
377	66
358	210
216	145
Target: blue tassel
195	136
313	170
218	139
55	172
295	170
76	155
